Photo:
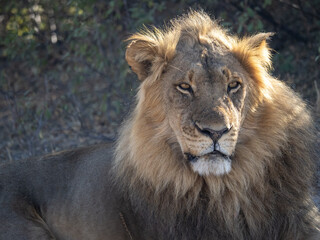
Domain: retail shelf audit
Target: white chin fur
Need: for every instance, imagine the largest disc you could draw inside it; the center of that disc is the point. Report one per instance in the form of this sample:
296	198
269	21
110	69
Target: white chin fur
216	167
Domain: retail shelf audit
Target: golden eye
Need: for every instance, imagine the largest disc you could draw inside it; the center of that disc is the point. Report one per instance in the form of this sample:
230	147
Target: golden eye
234	86
184	87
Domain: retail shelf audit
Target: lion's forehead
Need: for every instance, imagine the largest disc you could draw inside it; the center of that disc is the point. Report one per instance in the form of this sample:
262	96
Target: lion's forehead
205	63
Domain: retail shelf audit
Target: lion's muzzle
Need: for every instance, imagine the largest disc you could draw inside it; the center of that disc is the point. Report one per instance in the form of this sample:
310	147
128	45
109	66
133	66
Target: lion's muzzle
214	158
214	134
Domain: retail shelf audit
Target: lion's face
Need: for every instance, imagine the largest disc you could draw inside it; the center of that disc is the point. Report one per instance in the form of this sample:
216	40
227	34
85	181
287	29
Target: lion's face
199	83
205	100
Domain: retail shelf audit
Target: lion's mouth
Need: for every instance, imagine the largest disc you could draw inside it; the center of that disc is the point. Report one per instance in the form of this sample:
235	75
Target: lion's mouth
209	156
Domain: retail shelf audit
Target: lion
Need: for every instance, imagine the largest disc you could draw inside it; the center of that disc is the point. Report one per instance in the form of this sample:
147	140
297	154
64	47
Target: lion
214	148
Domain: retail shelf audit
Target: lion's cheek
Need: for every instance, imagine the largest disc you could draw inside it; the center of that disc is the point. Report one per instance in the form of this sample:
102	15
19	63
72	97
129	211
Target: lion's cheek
174	120
227	144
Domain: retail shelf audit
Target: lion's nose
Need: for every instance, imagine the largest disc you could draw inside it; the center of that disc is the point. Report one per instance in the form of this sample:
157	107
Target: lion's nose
214	134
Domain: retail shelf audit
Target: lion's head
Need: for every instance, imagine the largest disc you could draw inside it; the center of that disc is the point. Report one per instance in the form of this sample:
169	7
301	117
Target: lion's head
199	77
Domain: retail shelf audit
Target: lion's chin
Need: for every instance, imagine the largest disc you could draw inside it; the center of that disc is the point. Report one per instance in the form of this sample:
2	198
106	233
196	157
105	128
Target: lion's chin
207	165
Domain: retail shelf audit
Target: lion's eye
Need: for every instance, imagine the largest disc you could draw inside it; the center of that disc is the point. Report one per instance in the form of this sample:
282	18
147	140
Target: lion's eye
233	86
184	88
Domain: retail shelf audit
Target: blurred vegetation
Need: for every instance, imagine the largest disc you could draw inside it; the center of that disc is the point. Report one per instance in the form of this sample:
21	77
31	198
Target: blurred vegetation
64	81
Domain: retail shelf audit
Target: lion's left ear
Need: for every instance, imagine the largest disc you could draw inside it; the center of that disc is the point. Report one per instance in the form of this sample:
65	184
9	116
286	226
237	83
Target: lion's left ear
254	49
258	45
259	40
140	55
254	54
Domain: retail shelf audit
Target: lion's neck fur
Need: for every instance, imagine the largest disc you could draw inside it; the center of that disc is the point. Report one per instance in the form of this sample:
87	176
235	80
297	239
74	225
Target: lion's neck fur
272	151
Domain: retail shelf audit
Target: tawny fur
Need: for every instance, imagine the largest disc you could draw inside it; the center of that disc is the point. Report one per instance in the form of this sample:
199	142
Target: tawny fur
266	195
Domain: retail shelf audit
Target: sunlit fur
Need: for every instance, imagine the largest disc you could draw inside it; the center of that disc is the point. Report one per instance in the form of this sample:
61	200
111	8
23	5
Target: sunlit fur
272	166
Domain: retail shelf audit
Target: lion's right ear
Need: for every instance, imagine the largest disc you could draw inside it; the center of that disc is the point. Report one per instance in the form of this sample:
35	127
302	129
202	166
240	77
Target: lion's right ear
140	55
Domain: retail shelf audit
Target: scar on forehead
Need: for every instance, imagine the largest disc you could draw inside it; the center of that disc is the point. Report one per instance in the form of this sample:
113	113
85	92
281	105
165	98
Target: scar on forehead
204	57
204	53
190	75
170	65
226	72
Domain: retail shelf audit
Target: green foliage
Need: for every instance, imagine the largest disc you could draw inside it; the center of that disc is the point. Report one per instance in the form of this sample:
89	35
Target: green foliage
285	62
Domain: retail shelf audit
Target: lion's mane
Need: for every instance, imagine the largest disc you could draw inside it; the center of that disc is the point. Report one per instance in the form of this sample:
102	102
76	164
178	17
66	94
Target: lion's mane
272	166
